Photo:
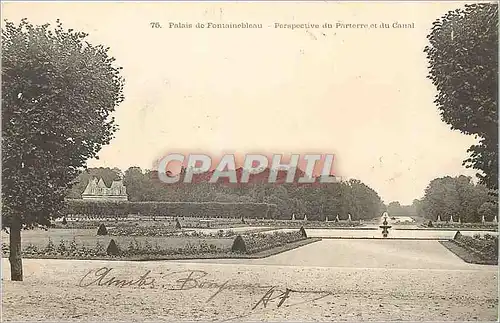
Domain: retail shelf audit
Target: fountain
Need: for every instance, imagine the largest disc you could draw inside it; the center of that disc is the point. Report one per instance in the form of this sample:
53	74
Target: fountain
349	217
326	218
305	217
483	220
495	220
385	226
293	216
337	218
451	218
439	218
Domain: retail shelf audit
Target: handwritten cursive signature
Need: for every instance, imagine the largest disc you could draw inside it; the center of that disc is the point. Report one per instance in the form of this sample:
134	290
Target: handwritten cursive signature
187	280
101	278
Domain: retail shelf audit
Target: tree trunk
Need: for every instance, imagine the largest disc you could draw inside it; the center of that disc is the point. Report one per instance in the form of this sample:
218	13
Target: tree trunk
16	262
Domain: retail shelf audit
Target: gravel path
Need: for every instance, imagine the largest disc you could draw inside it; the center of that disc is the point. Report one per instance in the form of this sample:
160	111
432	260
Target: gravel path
331	280
400	254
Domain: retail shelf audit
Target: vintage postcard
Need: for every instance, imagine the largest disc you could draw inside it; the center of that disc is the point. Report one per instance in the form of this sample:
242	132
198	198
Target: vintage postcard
249	161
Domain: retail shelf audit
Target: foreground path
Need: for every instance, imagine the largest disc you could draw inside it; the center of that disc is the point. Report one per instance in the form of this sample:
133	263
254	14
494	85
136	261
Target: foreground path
324	284
391	254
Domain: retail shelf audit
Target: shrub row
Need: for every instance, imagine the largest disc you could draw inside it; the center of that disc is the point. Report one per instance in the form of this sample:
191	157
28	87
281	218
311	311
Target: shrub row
486	245
177	209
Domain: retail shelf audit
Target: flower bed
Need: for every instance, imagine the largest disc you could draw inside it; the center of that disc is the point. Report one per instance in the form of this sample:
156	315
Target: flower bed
137	249
444	225
143	231
305	224
486	245
257	242
94	224
146	221
73	250
219	234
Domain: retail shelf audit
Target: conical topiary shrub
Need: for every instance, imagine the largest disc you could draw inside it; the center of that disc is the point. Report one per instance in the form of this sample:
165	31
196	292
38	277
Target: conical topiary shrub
243	220
239	245
112	249
303	232
430	225
64	221
102	231
178	225
457	235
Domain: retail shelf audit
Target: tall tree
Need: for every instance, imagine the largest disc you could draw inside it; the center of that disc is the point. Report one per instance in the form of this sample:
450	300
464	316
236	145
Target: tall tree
136	182
58	92
463	56
454	196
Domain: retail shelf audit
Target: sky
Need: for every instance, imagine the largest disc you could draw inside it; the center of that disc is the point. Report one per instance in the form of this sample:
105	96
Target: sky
360	94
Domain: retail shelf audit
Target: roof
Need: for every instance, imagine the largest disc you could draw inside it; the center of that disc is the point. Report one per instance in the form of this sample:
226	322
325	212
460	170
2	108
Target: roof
101	183
92	183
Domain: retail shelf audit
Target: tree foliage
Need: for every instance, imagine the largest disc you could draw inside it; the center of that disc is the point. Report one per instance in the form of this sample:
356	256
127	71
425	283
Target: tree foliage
239	245
112	248
317	201
463	57
58	92
457	197
303	232
396	209
489	210
102	231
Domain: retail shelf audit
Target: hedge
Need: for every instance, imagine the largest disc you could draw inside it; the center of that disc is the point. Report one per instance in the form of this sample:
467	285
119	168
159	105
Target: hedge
176	209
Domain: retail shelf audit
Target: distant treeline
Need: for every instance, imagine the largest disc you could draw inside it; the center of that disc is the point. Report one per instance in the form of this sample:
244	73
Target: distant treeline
451	196
446	196
316	200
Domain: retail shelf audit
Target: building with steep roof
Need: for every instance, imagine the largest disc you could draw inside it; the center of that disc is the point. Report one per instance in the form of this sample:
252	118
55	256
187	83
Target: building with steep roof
97	190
